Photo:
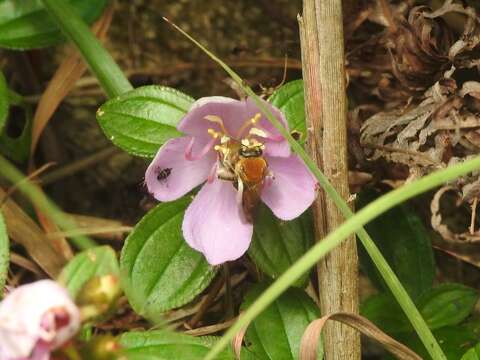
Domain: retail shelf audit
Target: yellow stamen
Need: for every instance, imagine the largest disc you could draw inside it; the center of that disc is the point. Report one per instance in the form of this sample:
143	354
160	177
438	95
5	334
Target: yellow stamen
249	122
217	120
257	132
213	133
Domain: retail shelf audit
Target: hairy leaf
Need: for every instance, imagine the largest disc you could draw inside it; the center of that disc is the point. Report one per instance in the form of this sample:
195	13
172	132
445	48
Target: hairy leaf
166	345
404	242
159	271
143	119
276	332
290	100
277	244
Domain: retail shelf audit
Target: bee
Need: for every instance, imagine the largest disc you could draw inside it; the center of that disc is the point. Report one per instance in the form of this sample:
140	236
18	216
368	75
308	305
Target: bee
242	162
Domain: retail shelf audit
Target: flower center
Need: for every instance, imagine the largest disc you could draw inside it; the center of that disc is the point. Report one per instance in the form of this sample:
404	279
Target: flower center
224	135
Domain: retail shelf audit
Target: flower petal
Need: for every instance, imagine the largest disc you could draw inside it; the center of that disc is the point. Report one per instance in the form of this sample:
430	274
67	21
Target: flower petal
292	189
170	175
232	112
214	223
26	321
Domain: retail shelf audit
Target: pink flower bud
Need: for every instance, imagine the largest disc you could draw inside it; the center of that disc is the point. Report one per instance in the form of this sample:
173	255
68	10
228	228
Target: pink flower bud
36	319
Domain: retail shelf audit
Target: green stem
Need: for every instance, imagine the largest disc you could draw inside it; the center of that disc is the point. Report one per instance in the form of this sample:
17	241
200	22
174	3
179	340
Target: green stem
310	258
8	171
99	60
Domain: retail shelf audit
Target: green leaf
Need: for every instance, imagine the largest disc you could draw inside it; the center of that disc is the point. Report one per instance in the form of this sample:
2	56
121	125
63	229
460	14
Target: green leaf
384	311
159	271
167	345
24	24
404	242
472	354
141	120
4	103
444	305
4	253
447	304
97	261
290	100
454	340
277	331
18	148
277	244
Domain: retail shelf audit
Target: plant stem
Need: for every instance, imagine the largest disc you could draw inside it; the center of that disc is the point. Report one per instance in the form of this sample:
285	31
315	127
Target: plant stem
35	194
326	108
98	59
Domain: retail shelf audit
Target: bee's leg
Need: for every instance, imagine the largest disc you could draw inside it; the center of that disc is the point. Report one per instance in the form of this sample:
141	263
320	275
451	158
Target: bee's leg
225	174
239	191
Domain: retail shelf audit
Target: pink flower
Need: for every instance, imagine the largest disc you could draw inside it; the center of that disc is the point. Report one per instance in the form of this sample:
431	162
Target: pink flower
36	319
229	144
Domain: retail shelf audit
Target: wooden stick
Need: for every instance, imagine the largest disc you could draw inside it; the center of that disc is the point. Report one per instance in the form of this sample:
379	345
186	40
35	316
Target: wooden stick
321	35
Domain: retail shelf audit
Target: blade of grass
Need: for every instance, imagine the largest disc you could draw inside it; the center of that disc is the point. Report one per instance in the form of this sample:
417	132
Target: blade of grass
324	247
98	59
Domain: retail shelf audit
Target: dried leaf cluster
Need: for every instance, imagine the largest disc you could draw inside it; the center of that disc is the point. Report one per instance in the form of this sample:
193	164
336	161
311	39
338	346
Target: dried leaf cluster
419	76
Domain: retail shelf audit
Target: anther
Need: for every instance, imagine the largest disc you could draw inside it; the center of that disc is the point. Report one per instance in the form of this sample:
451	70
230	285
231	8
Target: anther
247	123
255	118
217	120
213	133
257	132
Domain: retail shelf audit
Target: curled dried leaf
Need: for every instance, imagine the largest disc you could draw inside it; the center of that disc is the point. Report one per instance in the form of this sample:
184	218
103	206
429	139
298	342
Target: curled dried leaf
311	336
468	236
414	50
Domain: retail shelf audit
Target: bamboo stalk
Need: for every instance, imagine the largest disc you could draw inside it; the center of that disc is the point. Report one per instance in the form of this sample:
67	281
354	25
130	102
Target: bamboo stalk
321	33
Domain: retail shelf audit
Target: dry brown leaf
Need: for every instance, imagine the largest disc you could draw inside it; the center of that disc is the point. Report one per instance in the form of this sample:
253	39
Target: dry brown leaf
465	253
443	229
23	230
25	263
237	341
102	228
311	336
413	51
59	86
71	69
440	130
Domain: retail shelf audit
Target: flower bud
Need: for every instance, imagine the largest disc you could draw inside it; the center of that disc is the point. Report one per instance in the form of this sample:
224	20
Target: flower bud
98	296
36	319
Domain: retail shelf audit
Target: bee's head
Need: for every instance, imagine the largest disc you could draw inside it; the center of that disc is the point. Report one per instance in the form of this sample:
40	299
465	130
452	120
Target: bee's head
251	148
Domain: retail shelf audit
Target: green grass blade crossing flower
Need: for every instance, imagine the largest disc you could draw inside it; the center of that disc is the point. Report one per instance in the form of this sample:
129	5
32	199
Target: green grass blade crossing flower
389	276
